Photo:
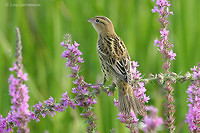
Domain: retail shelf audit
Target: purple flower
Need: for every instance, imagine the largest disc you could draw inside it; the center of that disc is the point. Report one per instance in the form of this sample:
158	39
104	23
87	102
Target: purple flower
83	95
110	93
65	97
20	113
50	107
164	33
194	69
193	116
90	101
133	117
14	68
2	124
164	46
72	104
74	90
135	64
162	7
76	44
94	101
121	117
168	12
138	87
78	53
160	45
155	9
85	91
135	73
79	59
128	119
38	106
172	55
152	121
116	102
72	55
50	104
75	68
156	41
161	3
34	117
62	43
22	76
5	125
65	54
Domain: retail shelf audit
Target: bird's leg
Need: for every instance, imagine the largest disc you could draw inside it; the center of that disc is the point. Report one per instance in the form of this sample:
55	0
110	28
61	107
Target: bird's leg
113	85
99	85
110	89
104	81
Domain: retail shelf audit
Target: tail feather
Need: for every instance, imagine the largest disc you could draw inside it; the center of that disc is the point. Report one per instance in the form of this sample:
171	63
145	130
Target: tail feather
128	101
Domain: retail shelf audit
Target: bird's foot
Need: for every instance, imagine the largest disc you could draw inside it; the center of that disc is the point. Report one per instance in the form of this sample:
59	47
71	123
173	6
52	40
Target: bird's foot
96	85
113	85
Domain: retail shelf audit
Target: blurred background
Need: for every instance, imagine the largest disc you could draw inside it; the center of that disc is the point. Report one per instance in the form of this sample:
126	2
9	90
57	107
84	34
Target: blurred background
43	24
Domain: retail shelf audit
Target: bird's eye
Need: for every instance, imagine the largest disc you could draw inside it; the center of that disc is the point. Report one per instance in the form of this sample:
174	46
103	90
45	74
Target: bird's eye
97	20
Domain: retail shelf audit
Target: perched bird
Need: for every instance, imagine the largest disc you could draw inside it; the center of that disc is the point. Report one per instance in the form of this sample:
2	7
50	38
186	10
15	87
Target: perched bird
115	63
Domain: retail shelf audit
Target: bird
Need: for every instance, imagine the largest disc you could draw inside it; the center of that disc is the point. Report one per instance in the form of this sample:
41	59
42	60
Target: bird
115	63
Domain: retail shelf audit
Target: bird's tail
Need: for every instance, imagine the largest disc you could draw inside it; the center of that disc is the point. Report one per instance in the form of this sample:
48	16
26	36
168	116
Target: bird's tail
127	100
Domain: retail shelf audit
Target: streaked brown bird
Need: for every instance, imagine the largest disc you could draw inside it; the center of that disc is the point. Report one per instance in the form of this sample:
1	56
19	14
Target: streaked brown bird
115	63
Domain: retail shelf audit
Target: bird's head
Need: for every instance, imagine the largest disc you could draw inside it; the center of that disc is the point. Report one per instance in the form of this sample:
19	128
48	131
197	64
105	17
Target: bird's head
102	25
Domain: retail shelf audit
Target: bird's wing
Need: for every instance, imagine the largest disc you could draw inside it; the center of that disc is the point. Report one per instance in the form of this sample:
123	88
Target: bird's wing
116	57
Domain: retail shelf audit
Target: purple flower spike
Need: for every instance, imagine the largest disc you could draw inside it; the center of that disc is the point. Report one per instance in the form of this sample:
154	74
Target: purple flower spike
138	87
19	114
164	46
131	121
83	95
152	121
193	116
162	7
72	55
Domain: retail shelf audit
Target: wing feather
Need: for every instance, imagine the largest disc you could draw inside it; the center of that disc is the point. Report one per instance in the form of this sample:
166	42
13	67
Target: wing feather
118	61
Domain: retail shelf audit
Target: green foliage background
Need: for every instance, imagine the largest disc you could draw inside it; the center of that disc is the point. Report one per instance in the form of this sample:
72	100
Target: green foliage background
43	28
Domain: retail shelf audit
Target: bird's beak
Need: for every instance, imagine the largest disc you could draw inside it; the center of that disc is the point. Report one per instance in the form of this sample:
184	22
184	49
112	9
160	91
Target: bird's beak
90	20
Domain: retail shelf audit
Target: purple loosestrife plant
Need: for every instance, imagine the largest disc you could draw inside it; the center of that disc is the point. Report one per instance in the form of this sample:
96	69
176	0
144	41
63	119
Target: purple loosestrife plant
50	107
164	46
138	87
131	120
19	114
152	121
193	116
19	92
84	95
